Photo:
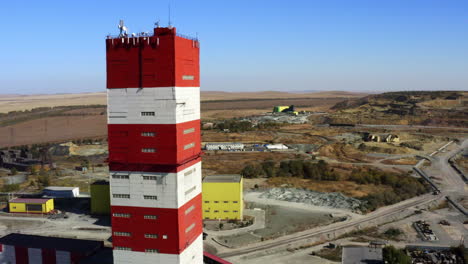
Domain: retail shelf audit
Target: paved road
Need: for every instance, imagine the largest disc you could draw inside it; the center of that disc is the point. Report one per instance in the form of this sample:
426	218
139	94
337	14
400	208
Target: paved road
385	212
453	185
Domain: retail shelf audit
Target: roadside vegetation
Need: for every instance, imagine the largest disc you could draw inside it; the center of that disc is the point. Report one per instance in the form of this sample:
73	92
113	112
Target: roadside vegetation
399	187
234	125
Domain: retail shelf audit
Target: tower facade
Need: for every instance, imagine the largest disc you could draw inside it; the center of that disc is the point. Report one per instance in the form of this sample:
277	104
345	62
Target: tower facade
153	99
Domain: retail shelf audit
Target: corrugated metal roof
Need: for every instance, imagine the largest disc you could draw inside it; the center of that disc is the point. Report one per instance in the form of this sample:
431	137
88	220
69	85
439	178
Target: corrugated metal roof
222	178
57	243
60	188
29	200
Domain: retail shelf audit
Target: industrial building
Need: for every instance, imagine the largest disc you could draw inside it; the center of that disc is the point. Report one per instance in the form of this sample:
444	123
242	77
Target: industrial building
222	197
153	91
21	160
224	146
31	205
285	109
31	249
275	147
100	198
61	192
362	255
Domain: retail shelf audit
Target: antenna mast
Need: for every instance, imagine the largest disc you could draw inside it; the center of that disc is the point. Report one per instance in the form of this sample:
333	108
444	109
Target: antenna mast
170	22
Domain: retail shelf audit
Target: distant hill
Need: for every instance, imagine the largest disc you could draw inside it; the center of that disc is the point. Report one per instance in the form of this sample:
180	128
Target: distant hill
417	107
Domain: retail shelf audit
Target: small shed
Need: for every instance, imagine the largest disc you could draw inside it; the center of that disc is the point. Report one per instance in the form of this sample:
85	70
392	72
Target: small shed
31	205
61	192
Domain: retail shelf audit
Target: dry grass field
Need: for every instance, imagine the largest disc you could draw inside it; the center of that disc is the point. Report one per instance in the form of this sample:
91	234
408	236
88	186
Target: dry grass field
91	122
53	129
25	102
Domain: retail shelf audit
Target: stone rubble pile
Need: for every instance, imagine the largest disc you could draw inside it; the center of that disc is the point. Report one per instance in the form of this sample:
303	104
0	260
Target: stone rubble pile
333	200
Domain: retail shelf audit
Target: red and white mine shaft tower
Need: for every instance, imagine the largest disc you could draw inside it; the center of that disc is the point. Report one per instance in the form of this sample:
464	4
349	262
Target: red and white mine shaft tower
153	93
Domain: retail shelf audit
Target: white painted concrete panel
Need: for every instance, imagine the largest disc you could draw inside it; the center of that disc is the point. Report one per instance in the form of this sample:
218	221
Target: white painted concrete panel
35	255
63	257
172	189
8	255
172	105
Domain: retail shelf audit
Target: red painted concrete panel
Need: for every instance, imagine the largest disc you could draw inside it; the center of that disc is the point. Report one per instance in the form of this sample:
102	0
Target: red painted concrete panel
170	222
48	256
21	255
157	61
127	141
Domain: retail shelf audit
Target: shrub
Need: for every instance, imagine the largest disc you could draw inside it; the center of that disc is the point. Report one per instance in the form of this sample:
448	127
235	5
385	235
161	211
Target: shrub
10	187
391	255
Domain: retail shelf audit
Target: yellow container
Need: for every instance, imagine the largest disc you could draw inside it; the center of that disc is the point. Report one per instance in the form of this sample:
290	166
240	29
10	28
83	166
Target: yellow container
31	205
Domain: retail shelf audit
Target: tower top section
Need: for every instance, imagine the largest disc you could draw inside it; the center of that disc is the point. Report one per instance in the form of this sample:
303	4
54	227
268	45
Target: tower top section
157	32
162	58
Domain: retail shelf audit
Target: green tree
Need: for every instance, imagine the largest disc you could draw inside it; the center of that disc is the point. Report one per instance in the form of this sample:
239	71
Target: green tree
296	167
252	171
391	255
269	168
13	171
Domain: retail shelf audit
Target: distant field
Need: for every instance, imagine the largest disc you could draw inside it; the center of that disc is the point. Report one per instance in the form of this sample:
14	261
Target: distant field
23	102
86	122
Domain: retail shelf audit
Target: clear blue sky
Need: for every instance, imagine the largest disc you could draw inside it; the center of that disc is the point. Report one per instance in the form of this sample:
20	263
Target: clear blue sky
247	45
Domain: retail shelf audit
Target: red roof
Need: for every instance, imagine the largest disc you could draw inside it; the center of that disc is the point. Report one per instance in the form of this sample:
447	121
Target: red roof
29	200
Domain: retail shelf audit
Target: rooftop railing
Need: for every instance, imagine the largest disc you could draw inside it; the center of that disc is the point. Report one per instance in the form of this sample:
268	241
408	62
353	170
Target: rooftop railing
147	34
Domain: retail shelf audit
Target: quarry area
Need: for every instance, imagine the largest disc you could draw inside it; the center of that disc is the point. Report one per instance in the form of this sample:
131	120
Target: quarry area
331	172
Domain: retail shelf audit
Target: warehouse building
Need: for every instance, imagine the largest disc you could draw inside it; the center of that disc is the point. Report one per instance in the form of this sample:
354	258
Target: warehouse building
222	197
31	205
31	249
224	146
61	192
100	198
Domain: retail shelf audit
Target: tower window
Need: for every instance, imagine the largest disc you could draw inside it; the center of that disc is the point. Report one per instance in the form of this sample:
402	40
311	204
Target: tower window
120	176
151	250
148	134
190	209
188	229
190	130
153	217
147	114
148	150
189	172
151	236
188	146
126	234
150	197
188	77
123	248
190	190
121	215
150	178
120	195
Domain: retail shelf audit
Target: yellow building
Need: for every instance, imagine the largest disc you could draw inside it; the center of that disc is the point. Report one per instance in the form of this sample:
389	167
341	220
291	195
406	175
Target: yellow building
222	197
100	198
31	205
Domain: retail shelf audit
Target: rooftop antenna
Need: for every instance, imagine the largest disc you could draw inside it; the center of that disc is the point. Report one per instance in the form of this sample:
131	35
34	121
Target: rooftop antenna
170	22
123	29
156	24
